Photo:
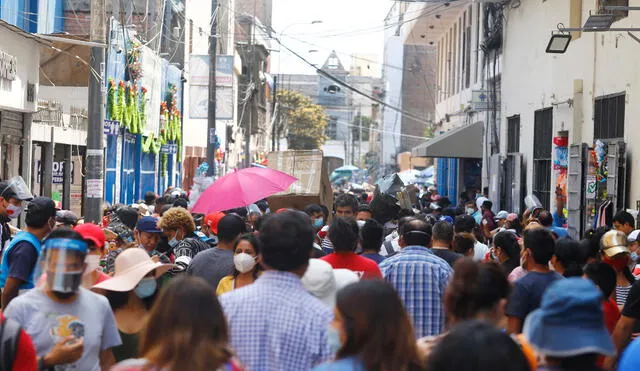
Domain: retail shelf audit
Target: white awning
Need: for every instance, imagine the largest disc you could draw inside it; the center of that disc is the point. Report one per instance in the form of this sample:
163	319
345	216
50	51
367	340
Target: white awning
463	142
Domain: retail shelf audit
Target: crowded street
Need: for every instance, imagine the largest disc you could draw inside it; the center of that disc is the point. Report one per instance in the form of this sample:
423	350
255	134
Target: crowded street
346	185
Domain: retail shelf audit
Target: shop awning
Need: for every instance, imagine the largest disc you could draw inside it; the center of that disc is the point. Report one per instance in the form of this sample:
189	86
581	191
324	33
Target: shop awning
463	142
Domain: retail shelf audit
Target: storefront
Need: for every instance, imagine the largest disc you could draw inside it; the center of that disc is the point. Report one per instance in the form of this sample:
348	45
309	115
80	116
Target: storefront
19	76
458	155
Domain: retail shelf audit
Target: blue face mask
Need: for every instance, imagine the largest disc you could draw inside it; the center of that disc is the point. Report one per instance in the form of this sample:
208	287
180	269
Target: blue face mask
318	223
146	287
173	242
634	256
333	339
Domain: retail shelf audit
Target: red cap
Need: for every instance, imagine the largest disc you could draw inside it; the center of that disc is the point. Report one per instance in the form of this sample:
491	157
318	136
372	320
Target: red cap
281	210
92	233
212	221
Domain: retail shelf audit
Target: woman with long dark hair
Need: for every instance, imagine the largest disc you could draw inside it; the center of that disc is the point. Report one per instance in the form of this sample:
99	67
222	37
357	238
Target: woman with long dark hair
371	330
186	330
506	251
245	260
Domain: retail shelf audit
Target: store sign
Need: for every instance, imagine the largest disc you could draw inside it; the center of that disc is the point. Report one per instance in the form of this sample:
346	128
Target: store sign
592	187
57	174
169	149
8	66
111	127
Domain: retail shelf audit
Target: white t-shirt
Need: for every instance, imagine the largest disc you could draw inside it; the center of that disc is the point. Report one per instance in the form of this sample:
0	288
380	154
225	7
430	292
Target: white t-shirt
47	322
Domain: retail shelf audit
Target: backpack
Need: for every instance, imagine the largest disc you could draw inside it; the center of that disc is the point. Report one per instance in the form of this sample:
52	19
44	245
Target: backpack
9	336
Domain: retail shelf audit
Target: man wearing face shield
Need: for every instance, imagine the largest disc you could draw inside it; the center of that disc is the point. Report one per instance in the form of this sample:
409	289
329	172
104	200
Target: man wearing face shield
20	257
61	313
13	193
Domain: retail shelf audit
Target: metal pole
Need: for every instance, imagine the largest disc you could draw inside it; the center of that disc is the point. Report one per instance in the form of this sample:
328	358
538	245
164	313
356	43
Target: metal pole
360	136
273	112
211	125
94	190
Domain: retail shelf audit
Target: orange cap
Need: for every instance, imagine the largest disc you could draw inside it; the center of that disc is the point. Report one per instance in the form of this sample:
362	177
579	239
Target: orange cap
212	221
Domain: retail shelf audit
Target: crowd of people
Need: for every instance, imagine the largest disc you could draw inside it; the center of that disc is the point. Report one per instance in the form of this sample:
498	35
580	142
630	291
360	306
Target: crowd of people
436	287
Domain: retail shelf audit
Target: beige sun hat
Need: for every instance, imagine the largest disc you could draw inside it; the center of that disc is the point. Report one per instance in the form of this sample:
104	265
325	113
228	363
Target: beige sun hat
131	266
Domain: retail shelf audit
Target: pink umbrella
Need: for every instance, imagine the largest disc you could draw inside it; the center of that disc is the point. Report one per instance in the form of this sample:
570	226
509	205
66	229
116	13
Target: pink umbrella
241	188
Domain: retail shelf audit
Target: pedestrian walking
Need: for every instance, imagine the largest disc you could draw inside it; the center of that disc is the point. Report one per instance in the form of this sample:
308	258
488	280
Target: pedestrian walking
371	330
95	239
371	237
147	235
131	293
185	330
216	263
18	266
420	278
441	241
178	226
275	323
506	251
246	261
568	329
463	244
538	249
345	206
62	313
344	235
66	219
614	250
467	224
567	259
477	346
13	194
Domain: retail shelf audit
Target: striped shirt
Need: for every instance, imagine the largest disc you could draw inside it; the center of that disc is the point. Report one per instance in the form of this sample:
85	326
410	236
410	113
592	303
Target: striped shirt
420	278
621	294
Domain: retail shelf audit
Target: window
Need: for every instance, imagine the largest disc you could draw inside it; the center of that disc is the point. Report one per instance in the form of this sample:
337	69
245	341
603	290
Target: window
513	134
332	128
467	59
542	146
608	116
619	14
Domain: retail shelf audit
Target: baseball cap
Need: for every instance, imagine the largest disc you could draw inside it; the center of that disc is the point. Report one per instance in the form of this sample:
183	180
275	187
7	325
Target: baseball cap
501	215
148	224
66	217
446	218
323	282
569	321
633	236
614	243
92	233
212	220
42	205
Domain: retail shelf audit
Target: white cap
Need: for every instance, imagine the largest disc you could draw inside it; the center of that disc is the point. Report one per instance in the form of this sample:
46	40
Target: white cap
502	215
323	282
480	201
633	236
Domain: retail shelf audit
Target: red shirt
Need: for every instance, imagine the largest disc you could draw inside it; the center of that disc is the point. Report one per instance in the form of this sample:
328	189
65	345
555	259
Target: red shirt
25	354
363	267
611	314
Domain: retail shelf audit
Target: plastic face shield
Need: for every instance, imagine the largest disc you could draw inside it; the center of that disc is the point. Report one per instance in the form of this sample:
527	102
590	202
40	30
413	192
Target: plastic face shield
19	187
63	262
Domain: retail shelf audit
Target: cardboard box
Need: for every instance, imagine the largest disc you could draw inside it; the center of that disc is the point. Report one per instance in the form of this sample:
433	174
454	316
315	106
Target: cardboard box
313	179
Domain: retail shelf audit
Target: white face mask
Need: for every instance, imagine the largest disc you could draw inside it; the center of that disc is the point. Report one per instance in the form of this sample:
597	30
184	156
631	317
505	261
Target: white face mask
470	211
14	211
244	262
93	262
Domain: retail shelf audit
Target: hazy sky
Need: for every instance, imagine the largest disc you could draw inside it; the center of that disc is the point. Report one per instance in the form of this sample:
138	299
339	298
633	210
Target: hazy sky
348	27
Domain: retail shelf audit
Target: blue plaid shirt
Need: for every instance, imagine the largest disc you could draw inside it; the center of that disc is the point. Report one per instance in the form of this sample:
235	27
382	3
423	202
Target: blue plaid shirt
275	324
420	278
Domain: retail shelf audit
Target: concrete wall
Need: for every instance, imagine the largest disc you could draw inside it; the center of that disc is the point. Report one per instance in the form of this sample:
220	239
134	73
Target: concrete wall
602	63
13	93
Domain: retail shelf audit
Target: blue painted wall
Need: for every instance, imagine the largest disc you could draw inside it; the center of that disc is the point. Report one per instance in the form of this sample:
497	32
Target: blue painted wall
447	178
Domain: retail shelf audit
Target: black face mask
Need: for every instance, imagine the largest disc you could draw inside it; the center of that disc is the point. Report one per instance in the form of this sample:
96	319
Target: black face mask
63	295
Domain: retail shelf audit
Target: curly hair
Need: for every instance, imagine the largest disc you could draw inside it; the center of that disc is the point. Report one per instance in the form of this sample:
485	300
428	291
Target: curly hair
175	218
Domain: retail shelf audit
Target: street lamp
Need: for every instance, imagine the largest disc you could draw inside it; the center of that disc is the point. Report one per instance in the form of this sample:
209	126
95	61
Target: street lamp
558	43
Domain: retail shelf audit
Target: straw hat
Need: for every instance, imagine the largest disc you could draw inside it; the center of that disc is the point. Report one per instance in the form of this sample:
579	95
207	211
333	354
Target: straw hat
130	268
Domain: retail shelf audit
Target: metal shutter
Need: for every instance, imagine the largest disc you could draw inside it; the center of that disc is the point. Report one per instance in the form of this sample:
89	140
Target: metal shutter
574	190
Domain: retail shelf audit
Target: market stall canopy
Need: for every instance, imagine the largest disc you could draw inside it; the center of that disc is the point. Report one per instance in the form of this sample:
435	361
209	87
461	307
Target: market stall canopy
462	142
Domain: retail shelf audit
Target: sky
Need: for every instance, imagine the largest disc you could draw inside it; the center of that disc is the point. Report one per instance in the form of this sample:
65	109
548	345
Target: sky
348	27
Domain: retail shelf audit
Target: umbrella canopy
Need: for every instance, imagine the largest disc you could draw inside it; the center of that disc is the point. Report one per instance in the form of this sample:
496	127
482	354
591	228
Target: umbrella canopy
241	188
347	168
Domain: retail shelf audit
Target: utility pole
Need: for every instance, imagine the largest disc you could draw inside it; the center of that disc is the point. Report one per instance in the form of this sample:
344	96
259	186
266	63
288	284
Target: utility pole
211	125
94	188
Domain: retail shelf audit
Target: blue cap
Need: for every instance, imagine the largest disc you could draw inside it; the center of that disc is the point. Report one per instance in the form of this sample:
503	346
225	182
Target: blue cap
630	360
148	224
569	321
446	218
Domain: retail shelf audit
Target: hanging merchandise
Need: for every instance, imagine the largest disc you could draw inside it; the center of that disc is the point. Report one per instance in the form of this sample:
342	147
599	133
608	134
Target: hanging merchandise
111	100
142	109
151	144
134	67
119	105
